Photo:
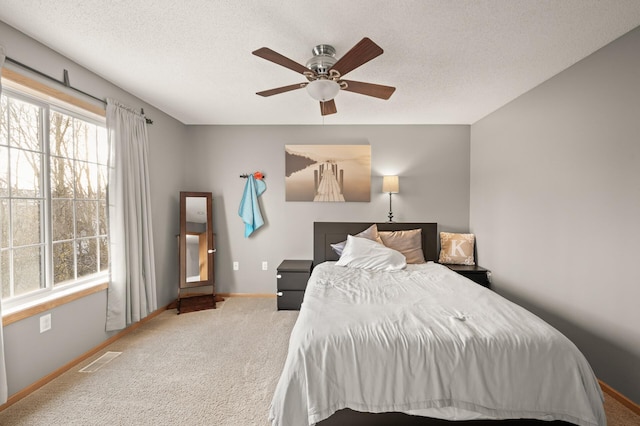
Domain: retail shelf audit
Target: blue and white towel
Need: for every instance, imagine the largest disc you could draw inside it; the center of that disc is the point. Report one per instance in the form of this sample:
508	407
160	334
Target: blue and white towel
249	209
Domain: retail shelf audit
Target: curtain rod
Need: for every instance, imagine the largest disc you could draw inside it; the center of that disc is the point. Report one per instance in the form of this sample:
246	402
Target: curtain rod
64	83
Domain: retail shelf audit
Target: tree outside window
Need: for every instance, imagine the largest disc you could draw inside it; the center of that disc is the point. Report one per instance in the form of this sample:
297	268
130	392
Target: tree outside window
53	192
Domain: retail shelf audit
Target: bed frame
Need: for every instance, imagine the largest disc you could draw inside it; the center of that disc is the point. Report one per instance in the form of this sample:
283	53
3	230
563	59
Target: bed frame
327	233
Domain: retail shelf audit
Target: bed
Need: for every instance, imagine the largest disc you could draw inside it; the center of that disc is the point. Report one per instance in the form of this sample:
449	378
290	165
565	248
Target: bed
422	345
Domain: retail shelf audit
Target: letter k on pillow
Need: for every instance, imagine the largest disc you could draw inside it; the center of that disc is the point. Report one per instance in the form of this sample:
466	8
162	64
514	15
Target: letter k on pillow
456	249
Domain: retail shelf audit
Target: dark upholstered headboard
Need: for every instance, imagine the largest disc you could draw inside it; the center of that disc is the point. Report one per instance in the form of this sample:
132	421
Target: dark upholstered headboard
327	233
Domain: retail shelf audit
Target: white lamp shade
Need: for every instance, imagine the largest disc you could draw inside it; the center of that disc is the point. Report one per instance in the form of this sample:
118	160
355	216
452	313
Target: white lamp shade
390	184
323	90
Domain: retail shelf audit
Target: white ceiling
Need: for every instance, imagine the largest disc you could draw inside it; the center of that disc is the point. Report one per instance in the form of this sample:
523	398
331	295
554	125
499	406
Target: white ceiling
452	61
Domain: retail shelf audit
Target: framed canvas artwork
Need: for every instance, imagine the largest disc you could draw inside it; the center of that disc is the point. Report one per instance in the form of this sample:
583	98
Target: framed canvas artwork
328	173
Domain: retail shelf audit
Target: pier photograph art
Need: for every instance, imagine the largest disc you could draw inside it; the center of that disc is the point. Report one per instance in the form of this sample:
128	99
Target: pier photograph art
328	173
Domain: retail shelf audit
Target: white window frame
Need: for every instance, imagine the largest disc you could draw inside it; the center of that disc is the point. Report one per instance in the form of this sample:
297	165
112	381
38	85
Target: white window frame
60	290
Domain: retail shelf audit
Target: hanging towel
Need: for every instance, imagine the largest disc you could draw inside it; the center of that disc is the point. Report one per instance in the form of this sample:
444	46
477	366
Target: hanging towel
249	209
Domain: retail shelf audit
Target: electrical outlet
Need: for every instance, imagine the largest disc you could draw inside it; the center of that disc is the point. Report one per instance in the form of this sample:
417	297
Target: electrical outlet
265	265
45	323
236	266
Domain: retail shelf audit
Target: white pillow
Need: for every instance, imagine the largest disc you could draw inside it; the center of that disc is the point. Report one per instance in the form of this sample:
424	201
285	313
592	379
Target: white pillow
366	254
370	233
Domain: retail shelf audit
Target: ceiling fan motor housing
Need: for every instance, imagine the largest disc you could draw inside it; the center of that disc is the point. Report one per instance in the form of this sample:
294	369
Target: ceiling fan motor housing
324	57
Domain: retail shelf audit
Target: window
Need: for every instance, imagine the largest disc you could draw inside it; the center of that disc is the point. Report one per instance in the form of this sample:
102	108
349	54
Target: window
53	196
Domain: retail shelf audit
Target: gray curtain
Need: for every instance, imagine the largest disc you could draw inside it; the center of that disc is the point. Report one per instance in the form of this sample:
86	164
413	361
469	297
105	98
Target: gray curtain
3	370
132	287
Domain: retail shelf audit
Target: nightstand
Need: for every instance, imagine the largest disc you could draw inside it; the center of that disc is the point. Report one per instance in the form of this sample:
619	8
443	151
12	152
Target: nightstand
292	282
475	273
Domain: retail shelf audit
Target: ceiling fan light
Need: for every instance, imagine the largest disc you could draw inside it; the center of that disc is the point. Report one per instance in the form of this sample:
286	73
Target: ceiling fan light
323	90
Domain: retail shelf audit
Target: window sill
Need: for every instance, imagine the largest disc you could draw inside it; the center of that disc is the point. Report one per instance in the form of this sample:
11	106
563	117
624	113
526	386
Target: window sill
20	312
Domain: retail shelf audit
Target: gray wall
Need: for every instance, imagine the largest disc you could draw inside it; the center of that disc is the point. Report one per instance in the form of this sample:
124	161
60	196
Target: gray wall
79	326
555	205
432	162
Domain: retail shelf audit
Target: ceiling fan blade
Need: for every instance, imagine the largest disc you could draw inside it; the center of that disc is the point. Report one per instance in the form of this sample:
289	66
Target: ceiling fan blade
369	89
282	89
359	54
328	107
275	57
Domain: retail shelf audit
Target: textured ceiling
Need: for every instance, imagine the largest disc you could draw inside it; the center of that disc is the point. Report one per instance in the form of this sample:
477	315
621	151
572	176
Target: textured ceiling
452	61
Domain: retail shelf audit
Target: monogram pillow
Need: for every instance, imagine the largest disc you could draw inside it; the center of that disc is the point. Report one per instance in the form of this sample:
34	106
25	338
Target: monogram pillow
456	249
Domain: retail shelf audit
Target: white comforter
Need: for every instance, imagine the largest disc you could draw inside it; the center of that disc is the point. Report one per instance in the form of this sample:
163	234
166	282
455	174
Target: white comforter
426	338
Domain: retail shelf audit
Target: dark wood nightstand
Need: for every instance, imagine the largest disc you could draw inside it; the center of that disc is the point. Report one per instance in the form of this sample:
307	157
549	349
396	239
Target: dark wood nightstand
475	273
292	282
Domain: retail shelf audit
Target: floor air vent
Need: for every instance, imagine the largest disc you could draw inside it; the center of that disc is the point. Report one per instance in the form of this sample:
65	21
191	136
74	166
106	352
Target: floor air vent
100	362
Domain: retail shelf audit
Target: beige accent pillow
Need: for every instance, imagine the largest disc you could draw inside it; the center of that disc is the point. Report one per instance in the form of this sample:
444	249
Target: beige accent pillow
456	249
408	243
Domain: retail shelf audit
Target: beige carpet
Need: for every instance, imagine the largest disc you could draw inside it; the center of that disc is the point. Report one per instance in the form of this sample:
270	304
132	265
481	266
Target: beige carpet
215	367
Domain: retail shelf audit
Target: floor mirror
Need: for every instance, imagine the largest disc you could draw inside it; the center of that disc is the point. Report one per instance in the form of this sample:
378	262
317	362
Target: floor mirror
196	252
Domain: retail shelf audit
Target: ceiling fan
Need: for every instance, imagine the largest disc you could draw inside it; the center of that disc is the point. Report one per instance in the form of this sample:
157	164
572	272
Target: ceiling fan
324	73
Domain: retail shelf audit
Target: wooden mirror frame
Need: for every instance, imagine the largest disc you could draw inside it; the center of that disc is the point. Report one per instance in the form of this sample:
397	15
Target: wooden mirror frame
207	245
